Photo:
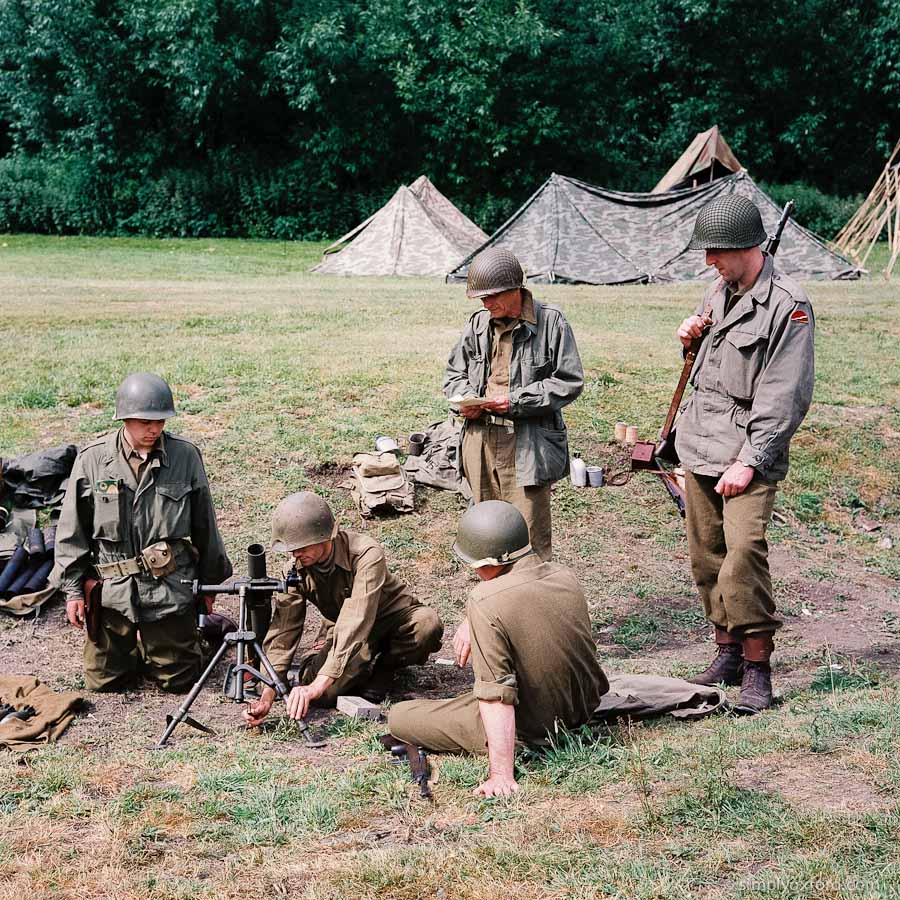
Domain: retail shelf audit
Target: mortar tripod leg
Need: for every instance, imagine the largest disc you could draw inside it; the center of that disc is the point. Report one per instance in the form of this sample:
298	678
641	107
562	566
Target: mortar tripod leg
182	711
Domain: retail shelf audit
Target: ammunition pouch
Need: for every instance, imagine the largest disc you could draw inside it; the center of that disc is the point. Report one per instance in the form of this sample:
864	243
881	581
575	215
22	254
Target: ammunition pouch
157	560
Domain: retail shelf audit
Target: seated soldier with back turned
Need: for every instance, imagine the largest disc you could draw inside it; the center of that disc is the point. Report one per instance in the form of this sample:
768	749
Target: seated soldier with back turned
534	658
138	515
372	624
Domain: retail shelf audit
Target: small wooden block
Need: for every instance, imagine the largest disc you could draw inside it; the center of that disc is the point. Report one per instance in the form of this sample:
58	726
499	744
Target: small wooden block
357	708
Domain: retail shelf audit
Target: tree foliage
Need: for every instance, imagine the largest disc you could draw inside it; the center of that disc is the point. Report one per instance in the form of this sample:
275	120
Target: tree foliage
296	117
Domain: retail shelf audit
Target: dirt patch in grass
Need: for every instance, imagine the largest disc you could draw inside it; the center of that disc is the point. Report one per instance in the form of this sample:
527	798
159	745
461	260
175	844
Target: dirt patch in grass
813	782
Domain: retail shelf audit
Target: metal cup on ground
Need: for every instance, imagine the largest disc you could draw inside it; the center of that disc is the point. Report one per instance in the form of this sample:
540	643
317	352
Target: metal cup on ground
416	443
385	444
595	476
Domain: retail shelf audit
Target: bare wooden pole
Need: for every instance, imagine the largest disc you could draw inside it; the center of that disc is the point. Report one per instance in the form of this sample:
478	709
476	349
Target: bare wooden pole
880	209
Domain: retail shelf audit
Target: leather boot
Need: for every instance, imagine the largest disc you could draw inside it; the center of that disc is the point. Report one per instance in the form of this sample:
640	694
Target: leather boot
727	667
756	685
379	683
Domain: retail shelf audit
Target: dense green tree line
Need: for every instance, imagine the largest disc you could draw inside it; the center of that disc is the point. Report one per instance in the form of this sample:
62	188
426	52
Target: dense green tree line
291	118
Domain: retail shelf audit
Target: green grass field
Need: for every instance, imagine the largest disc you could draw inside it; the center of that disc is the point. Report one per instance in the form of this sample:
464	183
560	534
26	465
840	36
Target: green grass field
280	376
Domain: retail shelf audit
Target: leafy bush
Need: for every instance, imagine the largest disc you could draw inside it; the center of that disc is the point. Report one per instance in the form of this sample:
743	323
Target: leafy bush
821	213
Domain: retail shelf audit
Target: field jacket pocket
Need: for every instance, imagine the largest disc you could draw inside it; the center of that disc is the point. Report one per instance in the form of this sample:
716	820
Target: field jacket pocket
551	454
743	359
108	515
174	508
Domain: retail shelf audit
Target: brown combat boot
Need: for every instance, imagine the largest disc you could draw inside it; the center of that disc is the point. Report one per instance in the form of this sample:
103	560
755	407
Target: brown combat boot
728	665
756	686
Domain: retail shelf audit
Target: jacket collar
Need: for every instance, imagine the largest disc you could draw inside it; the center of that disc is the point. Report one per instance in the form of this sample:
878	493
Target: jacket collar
114	457
757	294
531	309
342	550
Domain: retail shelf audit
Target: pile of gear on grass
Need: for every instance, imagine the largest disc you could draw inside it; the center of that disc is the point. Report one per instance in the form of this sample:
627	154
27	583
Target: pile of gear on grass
31	492
380	484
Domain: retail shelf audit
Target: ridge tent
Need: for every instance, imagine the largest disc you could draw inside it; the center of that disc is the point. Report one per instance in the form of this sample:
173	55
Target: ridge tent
417	232
707	158
577	233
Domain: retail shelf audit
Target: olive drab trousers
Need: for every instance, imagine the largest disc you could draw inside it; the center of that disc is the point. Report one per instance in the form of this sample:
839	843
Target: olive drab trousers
168	651
729	554
489	464
404	638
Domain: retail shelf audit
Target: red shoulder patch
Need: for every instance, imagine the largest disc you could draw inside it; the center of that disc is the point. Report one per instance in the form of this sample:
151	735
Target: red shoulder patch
800	317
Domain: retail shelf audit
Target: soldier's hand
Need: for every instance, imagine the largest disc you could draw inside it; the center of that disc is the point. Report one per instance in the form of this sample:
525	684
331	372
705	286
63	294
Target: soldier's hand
735	480
497	786
462	643
256	712
208	601
471	412
75	612
691	328
298	701
498	405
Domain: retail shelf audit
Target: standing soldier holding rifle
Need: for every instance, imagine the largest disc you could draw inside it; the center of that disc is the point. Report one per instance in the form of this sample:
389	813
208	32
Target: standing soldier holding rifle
137	520
753	383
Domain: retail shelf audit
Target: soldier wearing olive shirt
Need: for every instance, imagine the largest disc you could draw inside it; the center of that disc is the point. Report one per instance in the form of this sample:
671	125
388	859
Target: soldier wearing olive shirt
372	624
531	647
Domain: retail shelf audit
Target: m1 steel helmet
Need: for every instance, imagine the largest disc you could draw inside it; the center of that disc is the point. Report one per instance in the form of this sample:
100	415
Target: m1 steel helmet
144	396
300	520
492	272
492	533
728	223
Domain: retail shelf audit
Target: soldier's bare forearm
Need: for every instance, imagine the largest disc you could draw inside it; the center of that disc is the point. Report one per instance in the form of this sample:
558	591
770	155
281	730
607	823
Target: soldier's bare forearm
500	729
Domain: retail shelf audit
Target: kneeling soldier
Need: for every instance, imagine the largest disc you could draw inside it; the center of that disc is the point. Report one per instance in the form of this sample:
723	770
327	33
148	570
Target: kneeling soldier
372	626
534	658
138	515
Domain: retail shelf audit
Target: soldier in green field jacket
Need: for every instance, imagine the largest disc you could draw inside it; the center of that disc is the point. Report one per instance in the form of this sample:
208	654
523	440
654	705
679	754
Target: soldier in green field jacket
138	515
752	386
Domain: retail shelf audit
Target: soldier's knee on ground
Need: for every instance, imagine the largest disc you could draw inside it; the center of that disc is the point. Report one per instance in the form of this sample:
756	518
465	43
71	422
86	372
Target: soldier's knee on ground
429	629
175	676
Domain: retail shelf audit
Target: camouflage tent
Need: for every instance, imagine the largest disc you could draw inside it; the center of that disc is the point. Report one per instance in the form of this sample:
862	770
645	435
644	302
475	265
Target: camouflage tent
707	157
418	232
573	232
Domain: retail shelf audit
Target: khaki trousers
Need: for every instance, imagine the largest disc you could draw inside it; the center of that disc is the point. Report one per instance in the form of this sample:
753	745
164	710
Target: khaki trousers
443	726
489	464
168	652
729	554
405	638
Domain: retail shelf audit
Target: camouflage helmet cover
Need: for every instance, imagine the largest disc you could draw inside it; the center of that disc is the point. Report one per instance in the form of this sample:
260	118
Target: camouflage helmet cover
144	395
491	533
728	223
493	271
300	520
